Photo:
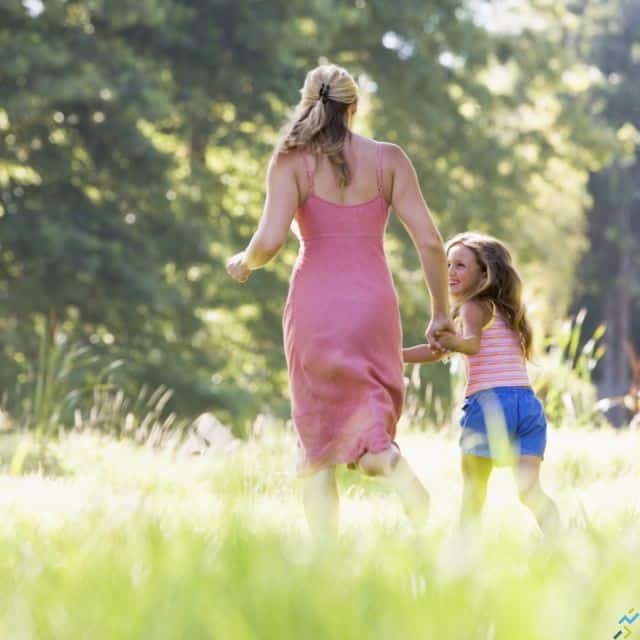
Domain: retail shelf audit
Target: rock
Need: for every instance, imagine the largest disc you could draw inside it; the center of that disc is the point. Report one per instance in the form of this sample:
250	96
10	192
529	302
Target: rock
209	436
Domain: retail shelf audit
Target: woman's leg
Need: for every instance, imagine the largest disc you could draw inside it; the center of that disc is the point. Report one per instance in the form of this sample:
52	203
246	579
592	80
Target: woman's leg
527	474
391	465
475	476
320	498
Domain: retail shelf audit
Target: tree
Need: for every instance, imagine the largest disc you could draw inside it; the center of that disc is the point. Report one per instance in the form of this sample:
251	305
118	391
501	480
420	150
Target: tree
609	286
134	140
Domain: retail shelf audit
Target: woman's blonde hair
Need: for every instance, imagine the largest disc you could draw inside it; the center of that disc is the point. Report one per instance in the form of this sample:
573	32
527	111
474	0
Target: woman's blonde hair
320	123
500	283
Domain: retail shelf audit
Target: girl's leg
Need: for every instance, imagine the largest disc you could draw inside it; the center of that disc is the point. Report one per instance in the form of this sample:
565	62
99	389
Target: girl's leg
320	498
391	465
527	474
475	476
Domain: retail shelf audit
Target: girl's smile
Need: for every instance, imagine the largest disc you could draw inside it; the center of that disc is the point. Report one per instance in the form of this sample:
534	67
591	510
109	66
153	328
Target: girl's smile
464	271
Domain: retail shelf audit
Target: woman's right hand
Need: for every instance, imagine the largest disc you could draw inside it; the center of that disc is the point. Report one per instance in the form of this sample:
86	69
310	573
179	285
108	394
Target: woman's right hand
440	322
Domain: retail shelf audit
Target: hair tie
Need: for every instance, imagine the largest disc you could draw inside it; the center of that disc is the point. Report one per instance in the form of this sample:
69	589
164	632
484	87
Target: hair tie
324	93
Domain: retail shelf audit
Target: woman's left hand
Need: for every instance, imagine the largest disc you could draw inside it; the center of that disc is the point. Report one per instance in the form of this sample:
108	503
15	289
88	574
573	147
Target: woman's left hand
448	339
439	322
237	268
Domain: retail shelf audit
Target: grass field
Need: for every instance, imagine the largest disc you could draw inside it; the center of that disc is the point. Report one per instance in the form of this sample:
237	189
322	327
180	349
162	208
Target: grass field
131	543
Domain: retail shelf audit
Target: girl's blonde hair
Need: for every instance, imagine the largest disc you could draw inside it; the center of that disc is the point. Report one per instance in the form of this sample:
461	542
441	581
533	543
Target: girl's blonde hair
320	123
500	283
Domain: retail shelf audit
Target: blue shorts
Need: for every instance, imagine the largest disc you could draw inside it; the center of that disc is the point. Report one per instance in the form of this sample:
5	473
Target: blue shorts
502	423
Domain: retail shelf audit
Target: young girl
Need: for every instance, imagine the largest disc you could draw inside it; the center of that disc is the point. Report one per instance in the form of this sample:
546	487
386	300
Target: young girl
500	406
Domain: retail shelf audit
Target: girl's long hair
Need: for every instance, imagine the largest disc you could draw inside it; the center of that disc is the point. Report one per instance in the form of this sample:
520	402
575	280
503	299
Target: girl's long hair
500	284
320	123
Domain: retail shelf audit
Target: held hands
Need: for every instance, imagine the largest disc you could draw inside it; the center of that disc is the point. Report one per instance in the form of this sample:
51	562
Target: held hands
439	326
237	268
448	339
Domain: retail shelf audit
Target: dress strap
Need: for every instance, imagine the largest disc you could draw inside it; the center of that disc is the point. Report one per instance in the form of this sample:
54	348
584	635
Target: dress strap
379	166
308	170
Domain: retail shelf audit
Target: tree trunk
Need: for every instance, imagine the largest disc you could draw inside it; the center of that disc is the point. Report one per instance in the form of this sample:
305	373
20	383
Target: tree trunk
616	377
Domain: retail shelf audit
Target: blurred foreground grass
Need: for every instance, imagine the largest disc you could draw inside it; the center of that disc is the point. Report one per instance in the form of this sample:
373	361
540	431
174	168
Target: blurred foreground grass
129	543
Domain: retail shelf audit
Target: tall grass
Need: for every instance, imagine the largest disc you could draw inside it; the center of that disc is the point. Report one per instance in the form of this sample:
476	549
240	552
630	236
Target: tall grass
138	544
142	417
69	387
423	405
562	374
56	383
143	542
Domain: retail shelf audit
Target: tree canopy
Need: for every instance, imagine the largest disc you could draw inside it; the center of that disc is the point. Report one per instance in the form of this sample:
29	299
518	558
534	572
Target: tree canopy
134	139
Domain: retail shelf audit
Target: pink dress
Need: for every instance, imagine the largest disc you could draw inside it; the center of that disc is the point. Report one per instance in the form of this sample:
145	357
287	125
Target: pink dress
342	332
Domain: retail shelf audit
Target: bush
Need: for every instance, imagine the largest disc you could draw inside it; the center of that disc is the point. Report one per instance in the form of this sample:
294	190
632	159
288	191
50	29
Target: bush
562	375
71	387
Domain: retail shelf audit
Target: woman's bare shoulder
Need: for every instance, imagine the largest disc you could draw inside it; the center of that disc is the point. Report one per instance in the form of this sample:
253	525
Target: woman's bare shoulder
394	156
286	160
286	166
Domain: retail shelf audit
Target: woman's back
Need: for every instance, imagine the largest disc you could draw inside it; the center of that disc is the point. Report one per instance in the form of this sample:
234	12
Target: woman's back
363	209
365	160
341	322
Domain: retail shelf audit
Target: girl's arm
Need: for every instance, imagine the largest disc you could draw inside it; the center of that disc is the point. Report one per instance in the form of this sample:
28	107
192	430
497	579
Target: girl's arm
279	208
421	353
473	316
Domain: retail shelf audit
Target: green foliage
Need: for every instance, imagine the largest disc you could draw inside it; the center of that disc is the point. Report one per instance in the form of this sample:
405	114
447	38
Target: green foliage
563	374
609	42
69	386
422	406
433	393
134	140
62	377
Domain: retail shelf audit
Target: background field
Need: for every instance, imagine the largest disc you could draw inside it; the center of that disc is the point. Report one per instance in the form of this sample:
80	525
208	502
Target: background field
133	543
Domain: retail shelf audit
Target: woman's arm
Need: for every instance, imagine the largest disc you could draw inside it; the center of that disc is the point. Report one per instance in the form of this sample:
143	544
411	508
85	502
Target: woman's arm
473	316
408	203
421	353
280	207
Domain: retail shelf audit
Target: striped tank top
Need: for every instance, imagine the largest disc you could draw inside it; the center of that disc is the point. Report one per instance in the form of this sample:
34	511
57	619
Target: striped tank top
500	361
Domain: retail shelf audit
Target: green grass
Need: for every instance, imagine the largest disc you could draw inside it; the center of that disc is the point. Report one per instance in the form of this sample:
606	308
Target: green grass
127	543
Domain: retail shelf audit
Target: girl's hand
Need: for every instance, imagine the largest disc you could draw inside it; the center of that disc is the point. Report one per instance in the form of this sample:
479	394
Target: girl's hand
422	353
237	268
440	323
448	340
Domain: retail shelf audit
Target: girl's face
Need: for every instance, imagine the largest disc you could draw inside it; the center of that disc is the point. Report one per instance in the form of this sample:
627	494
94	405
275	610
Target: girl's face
464	271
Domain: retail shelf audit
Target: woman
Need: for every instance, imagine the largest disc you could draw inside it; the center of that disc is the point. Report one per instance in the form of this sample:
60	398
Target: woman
342	333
